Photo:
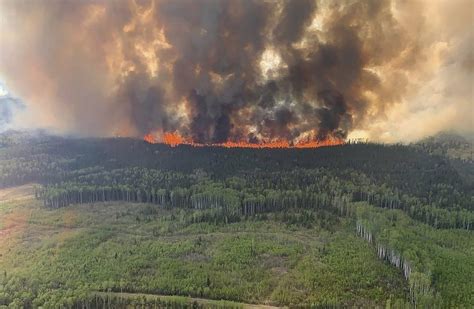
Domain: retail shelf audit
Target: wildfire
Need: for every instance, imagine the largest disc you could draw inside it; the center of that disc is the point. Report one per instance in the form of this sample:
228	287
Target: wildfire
276	144
172	139
149	138
175	139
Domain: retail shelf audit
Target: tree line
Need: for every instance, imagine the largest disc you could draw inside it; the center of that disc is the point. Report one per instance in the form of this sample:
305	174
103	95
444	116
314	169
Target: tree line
247	194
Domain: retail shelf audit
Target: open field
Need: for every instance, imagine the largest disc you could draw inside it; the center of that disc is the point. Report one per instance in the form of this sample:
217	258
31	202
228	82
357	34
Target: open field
17	193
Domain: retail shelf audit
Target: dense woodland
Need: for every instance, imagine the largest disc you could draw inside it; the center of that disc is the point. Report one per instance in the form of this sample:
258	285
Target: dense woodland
374	188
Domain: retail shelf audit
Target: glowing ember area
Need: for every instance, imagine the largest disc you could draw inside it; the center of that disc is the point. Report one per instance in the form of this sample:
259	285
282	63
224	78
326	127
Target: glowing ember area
174	139
149	138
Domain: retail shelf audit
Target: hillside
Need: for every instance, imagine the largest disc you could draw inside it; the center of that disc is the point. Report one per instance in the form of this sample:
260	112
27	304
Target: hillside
451	145
351	225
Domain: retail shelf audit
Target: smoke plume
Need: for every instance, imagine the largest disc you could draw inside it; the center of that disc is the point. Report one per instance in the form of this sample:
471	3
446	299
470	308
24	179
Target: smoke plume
241	70
9	107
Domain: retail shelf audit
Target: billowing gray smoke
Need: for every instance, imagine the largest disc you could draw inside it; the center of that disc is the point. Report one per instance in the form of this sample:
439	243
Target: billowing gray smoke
213	70
312	95
9	106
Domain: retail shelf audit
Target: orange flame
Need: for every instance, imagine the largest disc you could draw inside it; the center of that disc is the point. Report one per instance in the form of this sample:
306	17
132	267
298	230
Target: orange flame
172	139
315	144
149	138
273	144
175	139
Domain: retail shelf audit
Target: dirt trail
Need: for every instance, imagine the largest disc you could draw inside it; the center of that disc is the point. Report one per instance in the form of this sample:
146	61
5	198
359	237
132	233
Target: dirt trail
202	301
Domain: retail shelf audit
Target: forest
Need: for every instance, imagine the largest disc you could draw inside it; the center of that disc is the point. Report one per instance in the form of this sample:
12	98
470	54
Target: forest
123	223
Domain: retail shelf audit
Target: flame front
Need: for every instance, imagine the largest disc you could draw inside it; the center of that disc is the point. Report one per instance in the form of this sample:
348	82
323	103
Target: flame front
174	139
149	138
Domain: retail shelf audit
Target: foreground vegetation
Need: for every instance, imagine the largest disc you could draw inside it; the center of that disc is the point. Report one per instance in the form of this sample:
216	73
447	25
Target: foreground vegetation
120	222
62	256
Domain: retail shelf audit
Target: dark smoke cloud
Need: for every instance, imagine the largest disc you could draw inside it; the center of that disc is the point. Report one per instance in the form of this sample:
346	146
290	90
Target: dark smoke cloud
198	67
296	15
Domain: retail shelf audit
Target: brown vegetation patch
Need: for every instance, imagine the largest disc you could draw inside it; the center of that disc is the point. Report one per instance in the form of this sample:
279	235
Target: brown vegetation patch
274	262
17	193
196	257
12	223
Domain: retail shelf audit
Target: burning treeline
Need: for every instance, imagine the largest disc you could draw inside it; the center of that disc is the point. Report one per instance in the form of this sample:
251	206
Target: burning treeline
296	72
174	139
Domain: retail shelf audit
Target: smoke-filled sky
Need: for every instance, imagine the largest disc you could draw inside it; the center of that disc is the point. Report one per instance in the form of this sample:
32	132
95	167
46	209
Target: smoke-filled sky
9	106
241	70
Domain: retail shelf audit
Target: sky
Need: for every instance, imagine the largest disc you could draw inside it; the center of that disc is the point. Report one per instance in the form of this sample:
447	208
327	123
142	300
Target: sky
239	70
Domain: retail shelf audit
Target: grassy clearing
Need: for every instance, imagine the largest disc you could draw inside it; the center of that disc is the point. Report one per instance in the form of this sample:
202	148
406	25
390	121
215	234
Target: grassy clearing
17	193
